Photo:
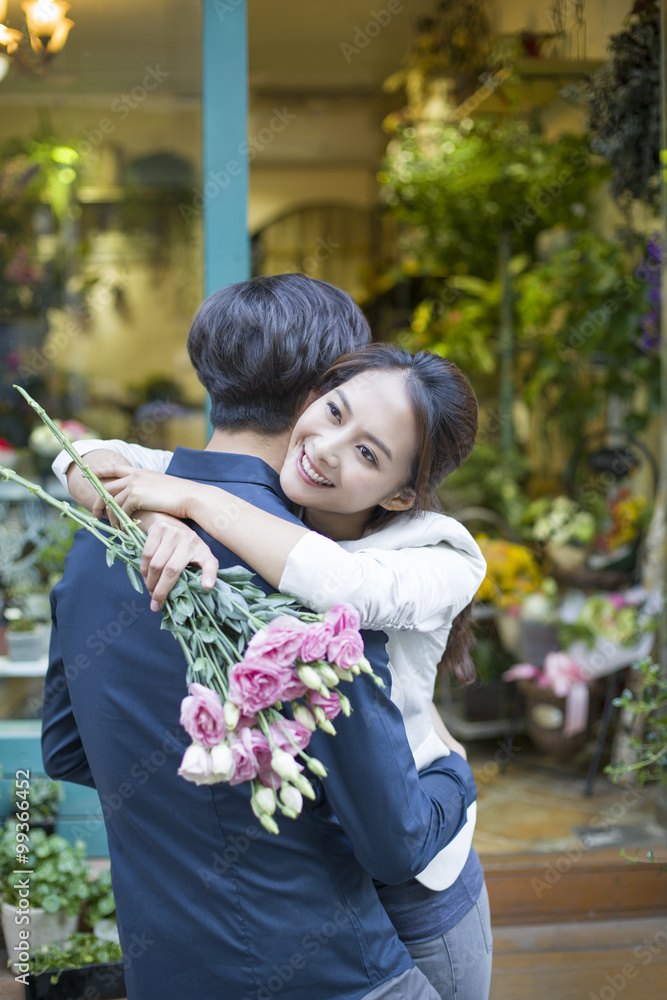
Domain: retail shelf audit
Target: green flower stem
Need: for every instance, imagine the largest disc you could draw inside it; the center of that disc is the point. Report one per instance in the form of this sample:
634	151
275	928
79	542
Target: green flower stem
259	624
83	518
131	526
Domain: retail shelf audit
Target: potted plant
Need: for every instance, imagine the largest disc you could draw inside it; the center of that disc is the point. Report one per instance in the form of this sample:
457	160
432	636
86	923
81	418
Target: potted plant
648	706
84	966
100	913
25	639
566	530
616	545
58	888
45	797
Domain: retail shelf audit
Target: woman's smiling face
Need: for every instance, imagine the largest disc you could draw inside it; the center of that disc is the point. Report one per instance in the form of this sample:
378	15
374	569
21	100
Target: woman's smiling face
353	448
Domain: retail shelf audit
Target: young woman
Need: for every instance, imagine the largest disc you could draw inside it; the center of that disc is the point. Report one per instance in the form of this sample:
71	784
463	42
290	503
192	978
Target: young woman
365	458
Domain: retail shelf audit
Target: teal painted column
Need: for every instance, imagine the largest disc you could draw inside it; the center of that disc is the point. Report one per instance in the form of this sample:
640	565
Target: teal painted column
225	149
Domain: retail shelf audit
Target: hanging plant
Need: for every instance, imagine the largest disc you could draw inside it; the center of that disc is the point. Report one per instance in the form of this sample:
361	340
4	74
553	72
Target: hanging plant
455	42
624	107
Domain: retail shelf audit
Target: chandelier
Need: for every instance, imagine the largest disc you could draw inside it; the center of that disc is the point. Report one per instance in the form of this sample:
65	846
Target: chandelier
47	30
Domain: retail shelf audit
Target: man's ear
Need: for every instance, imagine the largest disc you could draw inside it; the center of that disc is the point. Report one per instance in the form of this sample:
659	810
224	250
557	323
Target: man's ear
404	500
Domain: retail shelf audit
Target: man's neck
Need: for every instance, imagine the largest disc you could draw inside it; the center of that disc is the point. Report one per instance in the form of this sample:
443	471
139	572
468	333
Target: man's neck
271	448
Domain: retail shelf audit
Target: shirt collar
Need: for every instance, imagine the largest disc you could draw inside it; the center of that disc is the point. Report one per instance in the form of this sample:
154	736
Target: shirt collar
225	467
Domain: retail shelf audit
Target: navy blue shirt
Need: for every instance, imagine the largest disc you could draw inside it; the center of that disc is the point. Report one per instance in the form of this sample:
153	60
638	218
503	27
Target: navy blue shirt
209	903
420	914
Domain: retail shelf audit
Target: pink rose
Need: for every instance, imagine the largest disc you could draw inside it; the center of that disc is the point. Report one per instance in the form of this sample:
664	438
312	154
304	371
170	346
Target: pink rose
202	716
196	765
258	682
251	752
346	649
280	641
343	616
288	732
316	641
330	705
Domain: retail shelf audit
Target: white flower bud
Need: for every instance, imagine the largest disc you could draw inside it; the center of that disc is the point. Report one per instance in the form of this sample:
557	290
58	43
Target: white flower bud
268	822
364	666
317	767
323	722
345	706
292	798
222	762
304	786
232	714
311	678
264	801
284	764
304	716
329	675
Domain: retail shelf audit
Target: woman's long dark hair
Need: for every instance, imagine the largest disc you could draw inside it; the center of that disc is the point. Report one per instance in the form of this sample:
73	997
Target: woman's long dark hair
445	408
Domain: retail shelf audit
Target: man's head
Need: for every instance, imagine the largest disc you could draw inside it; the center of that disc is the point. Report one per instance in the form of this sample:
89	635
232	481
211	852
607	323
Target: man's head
260	345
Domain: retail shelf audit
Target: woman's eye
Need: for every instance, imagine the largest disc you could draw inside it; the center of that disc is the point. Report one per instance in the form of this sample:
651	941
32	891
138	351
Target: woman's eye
335	412
368	454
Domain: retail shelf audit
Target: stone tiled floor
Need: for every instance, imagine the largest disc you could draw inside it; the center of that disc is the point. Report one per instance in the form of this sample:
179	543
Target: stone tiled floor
532	805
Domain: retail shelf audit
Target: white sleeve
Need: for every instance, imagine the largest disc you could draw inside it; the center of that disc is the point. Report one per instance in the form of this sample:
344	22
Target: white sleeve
421	587
134	454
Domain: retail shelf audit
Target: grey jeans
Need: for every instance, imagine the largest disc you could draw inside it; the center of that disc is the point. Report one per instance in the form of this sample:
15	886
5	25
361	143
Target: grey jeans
458	963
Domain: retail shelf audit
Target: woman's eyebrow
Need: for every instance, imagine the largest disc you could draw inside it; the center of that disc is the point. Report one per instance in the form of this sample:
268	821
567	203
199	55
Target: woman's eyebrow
371	437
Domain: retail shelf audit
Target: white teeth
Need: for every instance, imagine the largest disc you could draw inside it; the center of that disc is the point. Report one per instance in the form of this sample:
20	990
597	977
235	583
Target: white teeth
313	475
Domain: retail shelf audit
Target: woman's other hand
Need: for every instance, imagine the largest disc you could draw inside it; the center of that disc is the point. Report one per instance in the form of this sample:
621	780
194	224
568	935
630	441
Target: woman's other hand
170	547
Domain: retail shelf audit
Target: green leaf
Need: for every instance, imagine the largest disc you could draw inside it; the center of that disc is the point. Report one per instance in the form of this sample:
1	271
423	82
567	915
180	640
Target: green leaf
135	579
235	574
207	635
111	557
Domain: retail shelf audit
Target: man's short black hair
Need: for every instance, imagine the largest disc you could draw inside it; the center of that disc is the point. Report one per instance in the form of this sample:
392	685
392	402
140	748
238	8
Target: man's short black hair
259	346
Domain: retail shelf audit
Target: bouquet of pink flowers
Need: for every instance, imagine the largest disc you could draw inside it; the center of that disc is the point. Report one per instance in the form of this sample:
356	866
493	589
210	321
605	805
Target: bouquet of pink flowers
262	673
238	730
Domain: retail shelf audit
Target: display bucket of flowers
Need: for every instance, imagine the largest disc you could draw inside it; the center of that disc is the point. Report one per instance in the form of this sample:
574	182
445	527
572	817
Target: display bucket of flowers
546	721
84	966
564	529
601	634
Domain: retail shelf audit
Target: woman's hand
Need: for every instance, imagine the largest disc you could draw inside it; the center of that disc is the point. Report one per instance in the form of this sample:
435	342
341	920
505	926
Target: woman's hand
170	547
141	489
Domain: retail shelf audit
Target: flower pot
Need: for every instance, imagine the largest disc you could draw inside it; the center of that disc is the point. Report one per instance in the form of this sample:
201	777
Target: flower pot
536	640
37	607
486	702
106	930
104	982
568	558
26	646
509	631
44	928
545	717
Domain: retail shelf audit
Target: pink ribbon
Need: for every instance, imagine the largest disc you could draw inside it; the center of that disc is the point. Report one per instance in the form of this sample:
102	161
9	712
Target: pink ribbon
563	675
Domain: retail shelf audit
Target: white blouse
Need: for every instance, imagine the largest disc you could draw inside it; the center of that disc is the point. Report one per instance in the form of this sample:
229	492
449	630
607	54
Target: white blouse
409	579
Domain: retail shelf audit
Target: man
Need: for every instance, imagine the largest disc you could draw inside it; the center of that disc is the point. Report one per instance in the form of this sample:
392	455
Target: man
209	904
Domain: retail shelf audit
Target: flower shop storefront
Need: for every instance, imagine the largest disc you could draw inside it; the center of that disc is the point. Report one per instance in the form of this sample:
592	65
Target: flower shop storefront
101	222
